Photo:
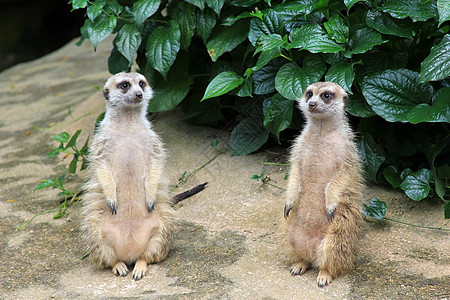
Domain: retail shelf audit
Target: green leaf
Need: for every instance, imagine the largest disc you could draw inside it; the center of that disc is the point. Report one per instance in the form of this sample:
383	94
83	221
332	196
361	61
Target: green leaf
443	7
225	39
313	39
392	175
247	137
162	47
73	140
169	94
376	209
247	88
264	79
128	40
357	106
439	112
100	29
393	93
184	14
62	137
206	20
269	42
73	165
417	185
418	10
386	24
216	5
446	206
44	184
76	4
437	65
265	57
432	150
143	9
337	29
362	40
95	9
372	155
222	84
117	62
199	3
288	81
278	115
271	23
342	74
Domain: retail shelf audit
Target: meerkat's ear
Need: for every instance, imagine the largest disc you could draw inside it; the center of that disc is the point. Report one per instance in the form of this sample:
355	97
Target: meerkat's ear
345	99
106	94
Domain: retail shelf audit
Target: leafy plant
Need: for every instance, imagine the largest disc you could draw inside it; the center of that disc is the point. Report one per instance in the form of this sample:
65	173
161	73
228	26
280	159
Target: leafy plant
250	60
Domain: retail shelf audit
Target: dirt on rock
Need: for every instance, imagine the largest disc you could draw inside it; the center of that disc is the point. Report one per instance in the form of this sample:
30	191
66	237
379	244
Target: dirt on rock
228	242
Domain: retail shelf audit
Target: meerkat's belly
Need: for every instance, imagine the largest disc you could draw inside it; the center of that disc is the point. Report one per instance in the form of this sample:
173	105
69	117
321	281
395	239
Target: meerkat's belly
129	237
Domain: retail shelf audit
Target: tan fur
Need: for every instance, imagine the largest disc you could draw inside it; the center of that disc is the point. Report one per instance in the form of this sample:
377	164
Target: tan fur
126	218
325	187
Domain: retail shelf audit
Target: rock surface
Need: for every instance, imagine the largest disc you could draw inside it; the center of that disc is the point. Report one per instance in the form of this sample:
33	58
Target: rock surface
228	241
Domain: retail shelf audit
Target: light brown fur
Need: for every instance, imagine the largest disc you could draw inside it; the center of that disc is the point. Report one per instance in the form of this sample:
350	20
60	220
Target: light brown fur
126	217
324	188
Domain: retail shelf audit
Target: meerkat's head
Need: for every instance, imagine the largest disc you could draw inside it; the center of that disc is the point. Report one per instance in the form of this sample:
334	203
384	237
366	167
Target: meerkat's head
322	99
127	89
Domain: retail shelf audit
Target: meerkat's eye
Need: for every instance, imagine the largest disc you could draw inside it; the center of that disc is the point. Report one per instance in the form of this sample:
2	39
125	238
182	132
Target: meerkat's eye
326	96
124	85
142	83
309	94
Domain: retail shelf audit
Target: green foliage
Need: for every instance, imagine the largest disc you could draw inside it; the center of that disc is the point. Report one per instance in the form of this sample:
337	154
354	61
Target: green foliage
250	61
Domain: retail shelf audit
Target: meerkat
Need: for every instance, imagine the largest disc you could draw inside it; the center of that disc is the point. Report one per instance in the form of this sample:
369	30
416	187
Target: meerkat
126	214
323	198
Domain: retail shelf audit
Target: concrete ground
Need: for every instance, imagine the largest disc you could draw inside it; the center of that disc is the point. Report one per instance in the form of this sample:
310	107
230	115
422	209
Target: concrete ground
228	244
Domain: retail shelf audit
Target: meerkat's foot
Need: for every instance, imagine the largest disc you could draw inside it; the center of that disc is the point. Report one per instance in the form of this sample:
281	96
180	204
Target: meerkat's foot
299	268
150	205
330	212
287	209
113	207
120	269
324	278
139	269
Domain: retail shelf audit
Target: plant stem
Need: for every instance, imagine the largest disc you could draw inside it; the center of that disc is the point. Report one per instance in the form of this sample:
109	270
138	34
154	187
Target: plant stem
38	214
420	226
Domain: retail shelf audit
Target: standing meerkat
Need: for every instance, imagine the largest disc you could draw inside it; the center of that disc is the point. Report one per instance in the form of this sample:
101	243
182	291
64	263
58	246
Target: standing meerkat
126	216
325	187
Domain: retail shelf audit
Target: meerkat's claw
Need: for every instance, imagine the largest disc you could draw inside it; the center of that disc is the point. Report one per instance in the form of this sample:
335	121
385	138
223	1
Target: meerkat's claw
299	268
324	278
330	215
113	207
287	209
150	206
139	269
120	269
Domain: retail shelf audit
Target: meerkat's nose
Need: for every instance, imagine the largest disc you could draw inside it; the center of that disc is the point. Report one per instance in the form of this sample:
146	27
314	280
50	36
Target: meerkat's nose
139	95
312	104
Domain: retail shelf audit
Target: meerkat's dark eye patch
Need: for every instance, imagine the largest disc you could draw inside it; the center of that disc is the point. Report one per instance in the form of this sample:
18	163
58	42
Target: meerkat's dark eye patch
308	94
327	96
142	84
124	85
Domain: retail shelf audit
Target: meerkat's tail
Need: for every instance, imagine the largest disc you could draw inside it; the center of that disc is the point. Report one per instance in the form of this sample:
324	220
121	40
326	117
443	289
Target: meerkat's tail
189	193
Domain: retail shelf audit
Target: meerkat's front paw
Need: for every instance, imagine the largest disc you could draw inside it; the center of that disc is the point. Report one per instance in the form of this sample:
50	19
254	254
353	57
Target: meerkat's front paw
324	278
287	209
120	269
330	211
150	205
299	268
112	206
139	269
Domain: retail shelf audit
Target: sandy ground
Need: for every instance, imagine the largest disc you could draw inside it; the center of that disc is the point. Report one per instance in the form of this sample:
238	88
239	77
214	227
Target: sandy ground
228	243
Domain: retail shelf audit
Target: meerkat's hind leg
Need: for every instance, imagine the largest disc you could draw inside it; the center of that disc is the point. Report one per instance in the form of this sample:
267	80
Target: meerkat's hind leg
299	268
140	268
324	278
120	269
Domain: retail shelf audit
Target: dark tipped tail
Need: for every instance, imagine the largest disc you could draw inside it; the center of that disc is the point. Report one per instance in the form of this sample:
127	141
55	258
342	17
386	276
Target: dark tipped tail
189	193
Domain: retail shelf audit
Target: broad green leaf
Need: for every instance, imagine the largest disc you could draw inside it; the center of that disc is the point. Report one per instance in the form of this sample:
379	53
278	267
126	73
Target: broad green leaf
439	112
264	79
350	3
95	9
222	84
265	57
417	184
393	93
278	115
143	9
362	40
342	74
73	140
162	47
113	7
446	206
128	40
225	39
117	62
271	23
247	88
358	106
76	4
418	10
376	209
432	150
313	39
288	81
100	29
443	7
386	24
62	137
206	20
392	175
313	70
216	5
184	14
269	42
244	3
437	65
372	154
73	165
247	137
199	3
337	29
231	20
169	94
44	184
